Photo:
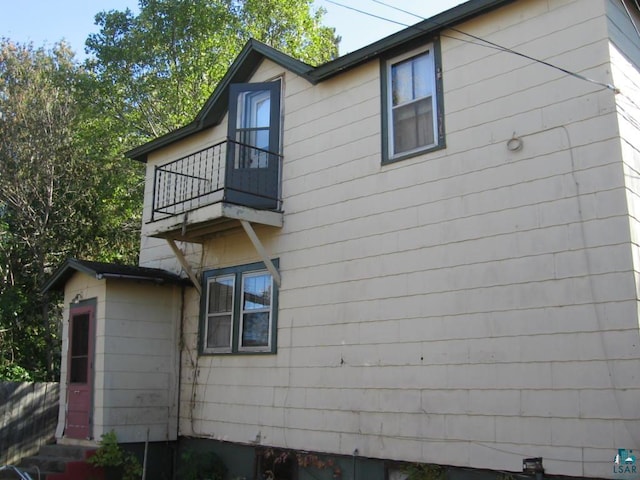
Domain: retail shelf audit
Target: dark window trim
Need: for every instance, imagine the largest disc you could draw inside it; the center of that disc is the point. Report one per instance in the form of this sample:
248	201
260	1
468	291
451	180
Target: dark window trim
238	271
384	92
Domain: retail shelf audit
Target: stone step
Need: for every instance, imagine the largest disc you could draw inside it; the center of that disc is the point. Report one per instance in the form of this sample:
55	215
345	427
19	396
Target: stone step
43	464
52	459
72	452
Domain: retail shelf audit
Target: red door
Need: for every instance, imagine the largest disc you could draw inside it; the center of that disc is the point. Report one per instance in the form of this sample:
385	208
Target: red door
80	372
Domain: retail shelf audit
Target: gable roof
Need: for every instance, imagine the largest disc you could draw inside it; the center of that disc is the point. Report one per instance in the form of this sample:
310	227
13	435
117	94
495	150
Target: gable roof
100	270
254	52
216	106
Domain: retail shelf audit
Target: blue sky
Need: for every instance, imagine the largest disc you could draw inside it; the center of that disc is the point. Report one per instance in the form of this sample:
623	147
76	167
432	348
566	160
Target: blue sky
45	22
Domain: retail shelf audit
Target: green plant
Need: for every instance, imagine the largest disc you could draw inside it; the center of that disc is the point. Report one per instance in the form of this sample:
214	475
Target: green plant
198	465
111	455
277	463
11	372
424	471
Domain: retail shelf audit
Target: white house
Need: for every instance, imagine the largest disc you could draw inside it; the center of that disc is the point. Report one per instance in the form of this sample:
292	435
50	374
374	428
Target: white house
423	251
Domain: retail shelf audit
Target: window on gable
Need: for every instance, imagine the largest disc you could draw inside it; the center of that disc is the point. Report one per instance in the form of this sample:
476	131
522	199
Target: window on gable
239	310
411	107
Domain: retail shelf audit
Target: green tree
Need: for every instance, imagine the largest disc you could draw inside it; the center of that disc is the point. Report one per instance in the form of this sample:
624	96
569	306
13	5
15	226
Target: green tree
60	194
156	69
65	189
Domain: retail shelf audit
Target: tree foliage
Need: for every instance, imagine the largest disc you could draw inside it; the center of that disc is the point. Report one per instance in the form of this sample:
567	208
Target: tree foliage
60	195
156	69
65	188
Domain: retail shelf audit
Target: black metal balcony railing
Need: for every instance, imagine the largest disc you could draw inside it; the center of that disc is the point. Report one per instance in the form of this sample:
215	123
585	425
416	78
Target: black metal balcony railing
227	171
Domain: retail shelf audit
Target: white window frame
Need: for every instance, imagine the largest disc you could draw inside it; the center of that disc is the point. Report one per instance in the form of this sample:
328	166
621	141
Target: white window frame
208	316
249	103
433	86
239	275
242	311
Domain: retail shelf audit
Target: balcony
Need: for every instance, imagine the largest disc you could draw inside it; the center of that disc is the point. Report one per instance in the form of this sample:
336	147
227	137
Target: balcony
209	190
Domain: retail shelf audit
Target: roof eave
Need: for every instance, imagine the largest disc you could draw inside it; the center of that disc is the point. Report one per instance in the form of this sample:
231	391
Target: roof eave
254	52
140	153
426	28
71	266
211	114
245	65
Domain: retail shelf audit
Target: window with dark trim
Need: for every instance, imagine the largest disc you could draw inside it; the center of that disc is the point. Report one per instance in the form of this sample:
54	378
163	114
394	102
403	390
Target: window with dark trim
412	120
239	310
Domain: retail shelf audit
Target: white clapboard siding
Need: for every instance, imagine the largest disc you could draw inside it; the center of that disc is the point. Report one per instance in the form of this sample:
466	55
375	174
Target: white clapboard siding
472	306
135	376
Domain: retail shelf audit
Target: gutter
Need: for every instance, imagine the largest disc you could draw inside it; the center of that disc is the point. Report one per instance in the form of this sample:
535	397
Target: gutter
158	281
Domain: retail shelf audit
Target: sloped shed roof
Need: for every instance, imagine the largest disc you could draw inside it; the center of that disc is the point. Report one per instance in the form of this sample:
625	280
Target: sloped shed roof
101	270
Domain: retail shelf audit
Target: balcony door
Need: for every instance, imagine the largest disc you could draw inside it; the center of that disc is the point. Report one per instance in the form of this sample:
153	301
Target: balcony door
253	154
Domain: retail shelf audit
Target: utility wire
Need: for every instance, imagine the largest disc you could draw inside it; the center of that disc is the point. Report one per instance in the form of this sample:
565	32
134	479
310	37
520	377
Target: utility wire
543	62
366	13
484	42
509	50
624	4
398	9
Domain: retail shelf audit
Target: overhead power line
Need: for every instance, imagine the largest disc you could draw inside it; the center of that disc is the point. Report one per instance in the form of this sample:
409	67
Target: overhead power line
482	42
398	9
367	13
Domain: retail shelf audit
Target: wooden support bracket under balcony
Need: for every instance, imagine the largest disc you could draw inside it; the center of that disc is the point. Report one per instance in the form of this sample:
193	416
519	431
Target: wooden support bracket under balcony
195	226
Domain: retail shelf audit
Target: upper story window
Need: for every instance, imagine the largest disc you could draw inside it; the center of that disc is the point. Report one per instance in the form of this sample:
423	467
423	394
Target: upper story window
239	310
411	104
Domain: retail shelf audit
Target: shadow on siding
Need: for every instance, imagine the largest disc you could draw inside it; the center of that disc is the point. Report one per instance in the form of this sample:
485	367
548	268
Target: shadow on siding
28	418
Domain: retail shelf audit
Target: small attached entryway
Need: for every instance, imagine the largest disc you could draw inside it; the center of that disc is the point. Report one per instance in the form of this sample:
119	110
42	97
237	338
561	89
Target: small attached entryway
120	352
80	371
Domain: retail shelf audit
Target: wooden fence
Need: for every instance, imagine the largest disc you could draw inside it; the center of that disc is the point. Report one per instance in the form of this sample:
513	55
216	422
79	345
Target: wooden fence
28	418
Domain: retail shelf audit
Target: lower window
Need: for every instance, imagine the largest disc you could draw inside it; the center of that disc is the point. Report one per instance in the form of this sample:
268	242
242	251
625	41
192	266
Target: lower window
239	306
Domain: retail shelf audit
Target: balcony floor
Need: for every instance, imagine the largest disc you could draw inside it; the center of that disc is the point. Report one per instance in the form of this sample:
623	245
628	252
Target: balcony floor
196	225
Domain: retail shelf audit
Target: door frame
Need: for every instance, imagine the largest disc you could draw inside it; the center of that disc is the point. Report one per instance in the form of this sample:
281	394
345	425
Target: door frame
76	309
256	187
